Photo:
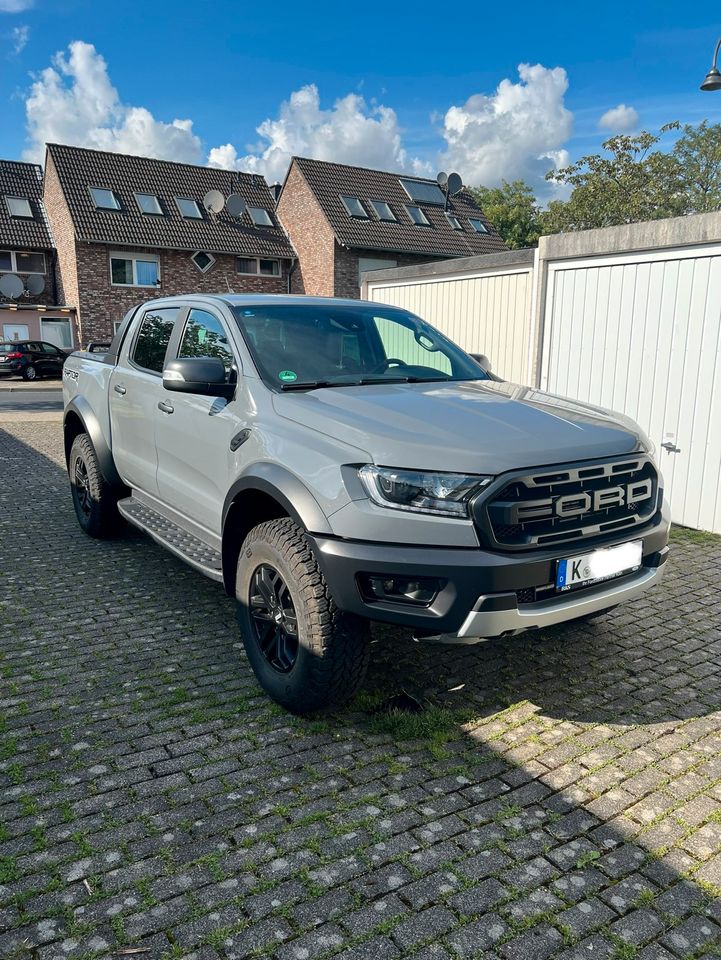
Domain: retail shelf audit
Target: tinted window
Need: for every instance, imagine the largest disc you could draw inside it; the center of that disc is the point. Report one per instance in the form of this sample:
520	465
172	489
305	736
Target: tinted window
9	348
204	336
34	347
153	339
49	348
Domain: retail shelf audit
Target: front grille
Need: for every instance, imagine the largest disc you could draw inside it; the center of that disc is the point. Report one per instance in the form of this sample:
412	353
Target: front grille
569	503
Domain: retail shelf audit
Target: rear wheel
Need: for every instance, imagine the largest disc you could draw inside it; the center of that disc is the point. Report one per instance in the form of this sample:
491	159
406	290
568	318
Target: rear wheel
95	501
29	372
306	654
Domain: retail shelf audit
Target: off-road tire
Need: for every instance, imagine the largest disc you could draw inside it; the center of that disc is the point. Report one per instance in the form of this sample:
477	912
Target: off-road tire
333	647
29	373
101	519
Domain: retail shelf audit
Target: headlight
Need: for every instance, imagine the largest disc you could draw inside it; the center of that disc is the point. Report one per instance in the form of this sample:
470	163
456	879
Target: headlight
443	494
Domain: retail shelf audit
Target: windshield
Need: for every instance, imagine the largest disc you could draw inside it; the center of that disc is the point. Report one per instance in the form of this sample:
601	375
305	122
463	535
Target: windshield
297	346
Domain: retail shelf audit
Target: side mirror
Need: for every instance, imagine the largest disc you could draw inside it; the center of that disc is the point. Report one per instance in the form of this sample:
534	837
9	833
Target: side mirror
481	359
200	375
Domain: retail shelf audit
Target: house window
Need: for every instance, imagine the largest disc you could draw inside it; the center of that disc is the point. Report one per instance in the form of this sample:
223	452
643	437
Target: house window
149	203
383	211
418	217
20	261
354	208
424	191
134	270
259	266
478	225
19	207
454	221
104	199
188	208
260	217
57	331
203	261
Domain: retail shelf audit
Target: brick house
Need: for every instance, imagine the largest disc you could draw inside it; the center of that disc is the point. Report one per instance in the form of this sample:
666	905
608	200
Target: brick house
344	220
129	228
31	297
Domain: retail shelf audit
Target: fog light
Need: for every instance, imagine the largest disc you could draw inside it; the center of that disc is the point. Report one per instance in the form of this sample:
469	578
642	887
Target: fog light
420	591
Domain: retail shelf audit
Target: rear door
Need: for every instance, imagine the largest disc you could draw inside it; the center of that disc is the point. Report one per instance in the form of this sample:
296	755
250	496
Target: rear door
136	389
194	432
52	359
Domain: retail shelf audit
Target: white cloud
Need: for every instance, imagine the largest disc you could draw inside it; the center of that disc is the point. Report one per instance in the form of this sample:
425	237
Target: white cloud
15	6
19	37
619	119
515	133
351	131
73	101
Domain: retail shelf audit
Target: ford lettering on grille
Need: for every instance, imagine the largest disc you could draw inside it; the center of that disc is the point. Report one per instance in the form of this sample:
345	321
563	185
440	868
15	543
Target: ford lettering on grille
577	502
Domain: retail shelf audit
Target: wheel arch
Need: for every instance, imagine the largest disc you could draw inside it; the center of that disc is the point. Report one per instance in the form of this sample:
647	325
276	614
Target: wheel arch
265	492
80	418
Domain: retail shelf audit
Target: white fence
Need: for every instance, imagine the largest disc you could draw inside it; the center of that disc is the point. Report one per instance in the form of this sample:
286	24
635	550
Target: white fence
628	318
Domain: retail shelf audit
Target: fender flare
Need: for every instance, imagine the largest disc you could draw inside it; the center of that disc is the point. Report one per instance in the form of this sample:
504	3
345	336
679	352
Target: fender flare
82	409
287	489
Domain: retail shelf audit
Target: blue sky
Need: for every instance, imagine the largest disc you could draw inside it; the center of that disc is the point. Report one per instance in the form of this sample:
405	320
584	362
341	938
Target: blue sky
413	87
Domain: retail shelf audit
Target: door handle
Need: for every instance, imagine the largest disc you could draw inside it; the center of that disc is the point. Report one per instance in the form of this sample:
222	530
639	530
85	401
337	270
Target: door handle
119	388
166	407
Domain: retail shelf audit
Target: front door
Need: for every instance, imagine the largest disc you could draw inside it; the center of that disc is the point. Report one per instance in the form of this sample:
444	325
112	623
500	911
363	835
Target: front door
193	441
136	389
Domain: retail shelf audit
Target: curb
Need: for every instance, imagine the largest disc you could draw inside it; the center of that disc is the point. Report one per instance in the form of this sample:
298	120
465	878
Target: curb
23	386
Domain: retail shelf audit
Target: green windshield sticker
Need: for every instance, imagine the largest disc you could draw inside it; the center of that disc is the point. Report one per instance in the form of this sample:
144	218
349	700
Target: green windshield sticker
287	376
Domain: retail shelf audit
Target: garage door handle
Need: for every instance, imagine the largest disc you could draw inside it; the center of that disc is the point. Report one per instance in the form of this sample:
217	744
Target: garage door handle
166	407
119	388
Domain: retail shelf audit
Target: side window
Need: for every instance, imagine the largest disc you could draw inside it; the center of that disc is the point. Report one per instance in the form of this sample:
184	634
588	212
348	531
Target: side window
153	339
204	336
399	343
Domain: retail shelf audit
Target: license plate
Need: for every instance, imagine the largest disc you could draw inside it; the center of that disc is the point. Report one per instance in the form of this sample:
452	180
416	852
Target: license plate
600	565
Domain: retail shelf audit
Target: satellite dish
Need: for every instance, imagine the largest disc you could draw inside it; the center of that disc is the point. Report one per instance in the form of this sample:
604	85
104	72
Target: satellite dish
214	201
454	183
11	286
35	284
442	179
235	205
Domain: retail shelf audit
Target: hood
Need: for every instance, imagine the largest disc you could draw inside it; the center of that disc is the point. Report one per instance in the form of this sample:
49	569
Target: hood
474	426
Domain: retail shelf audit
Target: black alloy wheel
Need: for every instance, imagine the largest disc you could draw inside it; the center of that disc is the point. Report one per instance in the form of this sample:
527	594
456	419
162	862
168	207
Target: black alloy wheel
274	619
82	486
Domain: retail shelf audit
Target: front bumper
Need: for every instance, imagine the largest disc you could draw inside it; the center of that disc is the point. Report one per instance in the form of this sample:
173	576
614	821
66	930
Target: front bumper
485	592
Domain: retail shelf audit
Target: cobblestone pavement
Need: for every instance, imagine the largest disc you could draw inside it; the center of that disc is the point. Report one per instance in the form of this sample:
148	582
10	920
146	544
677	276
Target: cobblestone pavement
560	798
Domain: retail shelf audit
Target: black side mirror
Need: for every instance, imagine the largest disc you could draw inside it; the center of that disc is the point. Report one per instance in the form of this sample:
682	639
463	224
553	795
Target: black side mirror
199	375
481	359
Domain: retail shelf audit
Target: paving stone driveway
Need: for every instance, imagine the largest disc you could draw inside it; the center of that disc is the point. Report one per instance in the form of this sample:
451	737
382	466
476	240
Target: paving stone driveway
560	798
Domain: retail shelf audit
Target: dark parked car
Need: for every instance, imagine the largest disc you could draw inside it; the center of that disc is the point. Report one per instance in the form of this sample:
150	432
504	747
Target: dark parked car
30	359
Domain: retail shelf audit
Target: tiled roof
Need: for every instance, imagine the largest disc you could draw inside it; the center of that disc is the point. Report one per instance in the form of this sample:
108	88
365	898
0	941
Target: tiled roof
79	169
329	181
23	180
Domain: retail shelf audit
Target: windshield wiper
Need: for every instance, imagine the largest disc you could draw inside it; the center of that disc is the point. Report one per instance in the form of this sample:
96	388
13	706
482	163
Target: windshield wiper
361	382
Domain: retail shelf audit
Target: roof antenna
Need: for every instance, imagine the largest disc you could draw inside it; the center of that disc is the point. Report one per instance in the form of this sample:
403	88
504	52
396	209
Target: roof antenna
451	184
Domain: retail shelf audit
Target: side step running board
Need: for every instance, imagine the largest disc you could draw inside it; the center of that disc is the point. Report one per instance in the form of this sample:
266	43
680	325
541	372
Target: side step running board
173	537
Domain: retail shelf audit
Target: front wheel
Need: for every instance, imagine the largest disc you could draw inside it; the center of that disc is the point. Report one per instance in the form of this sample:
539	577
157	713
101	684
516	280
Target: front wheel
95	501
305	652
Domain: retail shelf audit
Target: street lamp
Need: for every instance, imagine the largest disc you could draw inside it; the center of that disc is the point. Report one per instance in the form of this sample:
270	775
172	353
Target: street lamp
712	80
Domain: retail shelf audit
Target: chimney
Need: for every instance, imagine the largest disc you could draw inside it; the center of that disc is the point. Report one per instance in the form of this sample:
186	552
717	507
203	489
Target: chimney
275	192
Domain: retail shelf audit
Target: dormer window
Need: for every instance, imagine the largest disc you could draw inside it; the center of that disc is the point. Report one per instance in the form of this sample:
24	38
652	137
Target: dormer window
453	220
418	217
104	199
478	225
383	211
260	217
149	203
354	208
19	207
188	208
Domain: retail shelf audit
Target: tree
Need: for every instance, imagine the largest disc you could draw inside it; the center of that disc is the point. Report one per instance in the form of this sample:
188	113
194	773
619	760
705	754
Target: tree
698	152
633	183
513	210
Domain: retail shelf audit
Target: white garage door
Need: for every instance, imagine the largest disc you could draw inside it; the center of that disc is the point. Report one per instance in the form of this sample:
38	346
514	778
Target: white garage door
642	334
